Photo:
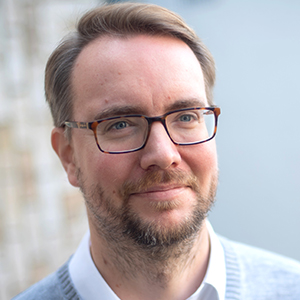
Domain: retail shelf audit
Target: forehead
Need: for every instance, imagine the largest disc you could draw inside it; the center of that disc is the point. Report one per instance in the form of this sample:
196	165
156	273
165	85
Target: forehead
149	74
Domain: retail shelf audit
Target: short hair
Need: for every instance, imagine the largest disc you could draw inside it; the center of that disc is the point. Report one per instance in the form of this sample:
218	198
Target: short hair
121	19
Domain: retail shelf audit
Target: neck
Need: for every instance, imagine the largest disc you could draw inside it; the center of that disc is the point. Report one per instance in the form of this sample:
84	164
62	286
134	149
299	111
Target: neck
139	272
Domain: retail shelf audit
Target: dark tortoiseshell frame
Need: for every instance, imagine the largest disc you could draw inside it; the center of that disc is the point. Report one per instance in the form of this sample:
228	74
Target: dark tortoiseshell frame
93	126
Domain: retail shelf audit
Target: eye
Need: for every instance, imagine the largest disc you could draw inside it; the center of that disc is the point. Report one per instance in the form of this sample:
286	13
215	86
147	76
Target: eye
119	125
186	118
116	126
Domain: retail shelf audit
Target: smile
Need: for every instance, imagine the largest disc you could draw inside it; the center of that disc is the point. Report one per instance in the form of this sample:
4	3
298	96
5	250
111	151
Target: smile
162	193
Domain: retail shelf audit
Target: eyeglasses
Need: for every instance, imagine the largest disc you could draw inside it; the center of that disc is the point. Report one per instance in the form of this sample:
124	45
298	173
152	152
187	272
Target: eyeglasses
129	133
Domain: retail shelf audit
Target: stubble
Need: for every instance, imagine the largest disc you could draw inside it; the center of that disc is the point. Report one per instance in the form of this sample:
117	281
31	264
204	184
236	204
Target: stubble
137	245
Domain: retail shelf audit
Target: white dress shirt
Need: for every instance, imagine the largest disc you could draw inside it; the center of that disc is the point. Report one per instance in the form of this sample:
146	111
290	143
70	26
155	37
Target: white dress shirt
90	284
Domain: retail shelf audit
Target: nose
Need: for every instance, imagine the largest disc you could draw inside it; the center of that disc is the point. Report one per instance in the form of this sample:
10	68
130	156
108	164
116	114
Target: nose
159	150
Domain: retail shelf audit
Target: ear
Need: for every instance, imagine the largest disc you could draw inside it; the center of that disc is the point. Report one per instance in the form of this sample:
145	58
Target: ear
64	149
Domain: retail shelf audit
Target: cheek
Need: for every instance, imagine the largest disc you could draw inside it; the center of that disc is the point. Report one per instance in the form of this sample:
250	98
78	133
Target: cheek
202	160
108	170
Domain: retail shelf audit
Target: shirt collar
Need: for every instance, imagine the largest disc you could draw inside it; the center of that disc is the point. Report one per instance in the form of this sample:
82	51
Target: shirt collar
214	283
90	284
85	276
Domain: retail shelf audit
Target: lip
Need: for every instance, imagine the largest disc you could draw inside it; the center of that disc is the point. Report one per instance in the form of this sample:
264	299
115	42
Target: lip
161	193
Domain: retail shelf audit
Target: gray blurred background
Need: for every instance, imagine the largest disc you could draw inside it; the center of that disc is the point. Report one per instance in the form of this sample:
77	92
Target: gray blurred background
256	45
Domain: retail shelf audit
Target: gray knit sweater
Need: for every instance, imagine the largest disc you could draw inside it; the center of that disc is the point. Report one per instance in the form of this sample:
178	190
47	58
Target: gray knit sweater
252	274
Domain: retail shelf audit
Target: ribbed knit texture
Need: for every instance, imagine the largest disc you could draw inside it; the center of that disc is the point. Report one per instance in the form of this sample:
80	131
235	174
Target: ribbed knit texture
256	274
233	283
66	284
252	274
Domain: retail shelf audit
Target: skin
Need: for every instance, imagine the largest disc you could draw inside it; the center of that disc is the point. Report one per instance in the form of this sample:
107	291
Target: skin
148	75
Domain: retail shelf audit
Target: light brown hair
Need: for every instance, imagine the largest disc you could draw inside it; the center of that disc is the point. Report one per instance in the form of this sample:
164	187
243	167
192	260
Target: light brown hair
122	19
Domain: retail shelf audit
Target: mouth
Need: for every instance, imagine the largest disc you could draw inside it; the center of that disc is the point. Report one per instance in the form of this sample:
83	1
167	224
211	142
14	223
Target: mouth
161	193
161	186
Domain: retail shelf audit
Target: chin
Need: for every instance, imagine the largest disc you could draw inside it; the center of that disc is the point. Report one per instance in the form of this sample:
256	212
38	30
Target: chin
164	227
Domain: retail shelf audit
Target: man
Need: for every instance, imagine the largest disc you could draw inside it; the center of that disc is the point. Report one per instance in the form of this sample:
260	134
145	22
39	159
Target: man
131	97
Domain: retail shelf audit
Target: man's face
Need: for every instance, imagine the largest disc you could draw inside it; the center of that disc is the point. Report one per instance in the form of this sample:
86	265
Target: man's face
164	186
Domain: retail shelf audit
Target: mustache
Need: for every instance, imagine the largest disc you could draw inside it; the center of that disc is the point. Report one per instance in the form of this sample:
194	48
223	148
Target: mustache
152	178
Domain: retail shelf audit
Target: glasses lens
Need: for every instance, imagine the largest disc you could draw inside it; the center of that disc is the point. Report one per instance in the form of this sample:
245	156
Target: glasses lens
122	134
191	126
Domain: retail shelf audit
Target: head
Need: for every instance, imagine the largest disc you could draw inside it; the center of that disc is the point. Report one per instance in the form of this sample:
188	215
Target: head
134	59
120	20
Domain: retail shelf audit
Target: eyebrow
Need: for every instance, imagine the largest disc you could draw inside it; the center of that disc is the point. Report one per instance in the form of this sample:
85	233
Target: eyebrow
119	111
195	102
137	110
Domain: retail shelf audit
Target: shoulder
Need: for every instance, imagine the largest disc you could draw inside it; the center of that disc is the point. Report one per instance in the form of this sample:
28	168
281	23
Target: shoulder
261	273
56	286
254	259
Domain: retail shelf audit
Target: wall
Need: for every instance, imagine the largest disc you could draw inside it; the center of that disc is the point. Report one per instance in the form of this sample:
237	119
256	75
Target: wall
256	46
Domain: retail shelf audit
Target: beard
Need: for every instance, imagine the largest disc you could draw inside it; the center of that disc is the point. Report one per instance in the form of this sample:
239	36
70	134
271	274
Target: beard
124	228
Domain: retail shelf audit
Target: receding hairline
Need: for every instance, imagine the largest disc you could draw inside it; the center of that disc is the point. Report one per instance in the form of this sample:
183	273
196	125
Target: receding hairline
120	20
97	46
131	36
